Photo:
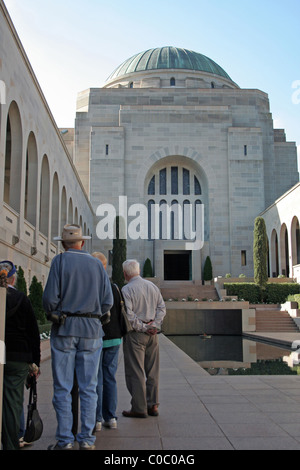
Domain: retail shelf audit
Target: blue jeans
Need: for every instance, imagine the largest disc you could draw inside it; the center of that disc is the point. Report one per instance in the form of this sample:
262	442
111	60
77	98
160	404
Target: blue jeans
107	385
82	355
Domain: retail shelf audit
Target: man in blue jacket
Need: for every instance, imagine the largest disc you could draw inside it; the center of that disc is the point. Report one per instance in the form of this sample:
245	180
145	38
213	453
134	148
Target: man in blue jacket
77	294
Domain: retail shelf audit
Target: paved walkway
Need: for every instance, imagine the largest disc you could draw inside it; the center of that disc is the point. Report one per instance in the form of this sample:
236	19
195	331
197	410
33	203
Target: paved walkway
197	411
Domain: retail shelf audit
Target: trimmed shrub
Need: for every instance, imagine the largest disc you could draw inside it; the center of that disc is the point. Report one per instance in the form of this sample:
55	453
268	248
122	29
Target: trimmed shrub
36	299
278	293
273	294
260	250
207	270
147	270
244	290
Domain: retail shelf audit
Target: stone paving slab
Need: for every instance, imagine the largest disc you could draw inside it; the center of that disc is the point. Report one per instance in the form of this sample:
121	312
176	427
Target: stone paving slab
197	411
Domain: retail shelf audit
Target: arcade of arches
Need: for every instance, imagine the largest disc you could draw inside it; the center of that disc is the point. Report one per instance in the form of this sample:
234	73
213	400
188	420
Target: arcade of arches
38	197
283	230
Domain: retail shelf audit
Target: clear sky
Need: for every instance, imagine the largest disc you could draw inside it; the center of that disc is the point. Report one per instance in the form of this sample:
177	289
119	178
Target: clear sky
74	44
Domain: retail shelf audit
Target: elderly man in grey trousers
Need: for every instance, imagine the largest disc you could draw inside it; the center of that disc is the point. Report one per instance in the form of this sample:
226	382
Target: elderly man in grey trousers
146	311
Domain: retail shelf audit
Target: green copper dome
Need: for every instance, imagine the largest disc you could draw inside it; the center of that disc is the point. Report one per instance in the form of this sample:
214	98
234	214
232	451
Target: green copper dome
168	58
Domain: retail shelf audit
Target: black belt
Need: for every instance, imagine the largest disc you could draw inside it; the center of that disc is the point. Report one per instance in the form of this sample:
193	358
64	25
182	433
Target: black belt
104	319
85	315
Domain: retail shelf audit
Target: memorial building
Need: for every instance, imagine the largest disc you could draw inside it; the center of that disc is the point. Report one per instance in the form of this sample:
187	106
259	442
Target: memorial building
170	135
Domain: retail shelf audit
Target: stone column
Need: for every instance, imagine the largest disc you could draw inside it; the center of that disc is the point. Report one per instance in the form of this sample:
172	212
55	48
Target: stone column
2	347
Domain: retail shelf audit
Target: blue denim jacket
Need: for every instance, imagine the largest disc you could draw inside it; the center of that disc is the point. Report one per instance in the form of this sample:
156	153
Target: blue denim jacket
84	287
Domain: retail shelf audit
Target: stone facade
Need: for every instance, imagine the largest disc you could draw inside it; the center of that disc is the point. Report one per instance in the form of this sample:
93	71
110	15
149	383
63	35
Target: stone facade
171	136
223	135
40	187
282	223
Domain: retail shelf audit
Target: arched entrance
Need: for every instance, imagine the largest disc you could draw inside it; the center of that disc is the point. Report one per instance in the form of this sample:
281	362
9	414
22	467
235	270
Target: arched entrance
274	254
13	158
176	187
295	238
31	180
284	251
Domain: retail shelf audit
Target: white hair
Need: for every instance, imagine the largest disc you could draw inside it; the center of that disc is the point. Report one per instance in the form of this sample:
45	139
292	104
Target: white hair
131	267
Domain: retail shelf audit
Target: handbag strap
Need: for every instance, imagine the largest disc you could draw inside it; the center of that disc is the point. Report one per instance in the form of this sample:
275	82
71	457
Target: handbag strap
33	392
120	294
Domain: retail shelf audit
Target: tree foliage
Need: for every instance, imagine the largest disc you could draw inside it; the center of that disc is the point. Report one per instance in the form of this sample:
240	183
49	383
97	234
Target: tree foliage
21	282
36	299
260	253
119	254
147	270
207	270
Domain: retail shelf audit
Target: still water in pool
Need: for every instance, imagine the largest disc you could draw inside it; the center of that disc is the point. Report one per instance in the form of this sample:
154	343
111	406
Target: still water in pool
236	355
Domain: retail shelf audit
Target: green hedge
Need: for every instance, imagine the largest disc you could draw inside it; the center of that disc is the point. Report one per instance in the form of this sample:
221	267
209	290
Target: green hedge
274	293
244	290
278	293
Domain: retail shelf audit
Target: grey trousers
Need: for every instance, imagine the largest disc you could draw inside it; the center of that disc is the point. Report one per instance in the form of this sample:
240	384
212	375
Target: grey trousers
141	361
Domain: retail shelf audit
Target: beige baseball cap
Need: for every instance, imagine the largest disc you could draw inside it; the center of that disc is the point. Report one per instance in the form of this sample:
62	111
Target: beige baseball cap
72	233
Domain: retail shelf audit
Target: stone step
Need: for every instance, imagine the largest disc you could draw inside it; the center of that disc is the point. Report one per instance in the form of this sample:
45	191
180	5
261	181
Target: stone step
272	320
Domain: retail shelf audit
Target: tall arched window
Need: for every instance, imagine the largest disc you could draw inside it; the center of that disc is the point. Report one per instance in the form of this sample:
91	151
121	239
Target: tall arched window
55	207
13	158
63	219
284	250
76	216
274	254
176	219
31	180
44	196
176	178
295	241
70	212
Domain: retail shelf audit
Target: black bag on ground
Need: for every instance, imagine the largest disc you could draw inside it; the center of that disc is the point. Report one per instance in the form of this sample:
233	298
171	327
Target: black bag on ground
34	425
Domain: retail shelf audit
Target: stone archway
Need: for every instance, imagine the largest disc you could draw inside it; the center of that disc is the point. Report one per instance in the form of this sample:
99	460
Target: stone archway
284	251
13	158
295	241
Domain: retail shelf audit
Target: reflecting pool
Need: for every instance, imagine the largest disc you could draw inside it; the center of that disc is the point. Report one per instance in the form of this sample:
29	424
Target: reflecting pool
236	355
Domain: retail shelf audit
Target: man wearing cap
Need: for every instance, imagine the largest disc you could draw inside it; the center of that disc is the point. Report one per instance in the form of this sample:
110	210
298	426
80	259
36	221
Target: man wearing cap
77	294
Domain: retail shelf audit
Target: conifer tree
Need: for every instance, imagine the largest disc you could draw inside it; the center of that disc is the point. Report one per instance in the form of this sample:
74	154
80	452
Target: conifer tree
36	299
147	270
119	254
21	282
207	270
260	250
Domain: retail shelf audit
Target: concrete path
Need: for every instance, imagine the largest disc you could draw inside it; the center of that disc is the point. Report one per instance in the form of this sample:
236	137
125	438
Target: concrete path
197	411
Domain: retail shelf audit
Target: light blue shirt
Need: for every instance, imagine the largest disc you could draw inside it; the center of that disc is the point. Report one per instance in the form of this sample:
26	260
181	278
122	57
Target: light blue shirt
144	303
83	284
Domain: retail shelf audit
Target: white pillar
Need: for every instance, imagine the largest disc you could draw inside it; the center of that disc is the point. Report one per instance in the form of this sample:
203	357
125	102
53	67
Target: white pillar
2	348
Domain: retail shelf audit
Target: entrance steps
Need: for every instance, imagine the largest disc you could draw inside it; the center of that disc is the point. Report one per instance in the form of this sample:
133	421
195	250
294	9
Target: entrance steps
270	320
180	291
